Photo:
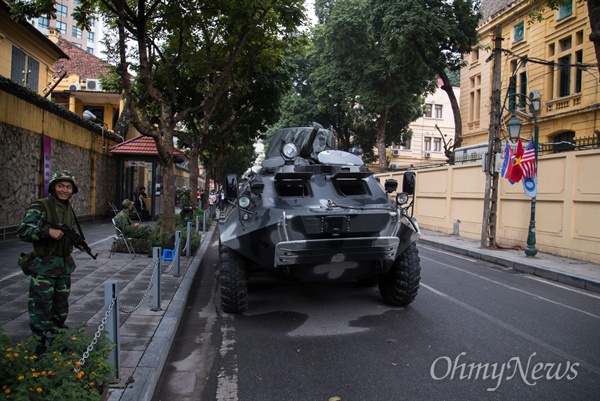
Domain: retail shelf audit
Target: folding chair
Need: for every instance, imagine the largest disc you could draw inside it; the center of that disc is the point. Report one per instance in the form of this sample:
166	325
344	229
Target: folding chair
113	208
136	214
120	238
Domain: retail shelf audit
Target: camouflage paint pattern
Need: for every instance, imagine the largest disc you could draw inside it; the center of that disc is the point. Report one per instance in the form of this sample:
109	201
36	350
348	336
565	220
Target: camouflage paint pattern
321	217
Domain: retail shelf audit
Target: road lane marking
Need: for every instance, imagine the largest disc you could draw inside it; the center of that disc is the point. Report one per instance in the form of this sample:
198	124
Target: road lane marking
514	330
515	288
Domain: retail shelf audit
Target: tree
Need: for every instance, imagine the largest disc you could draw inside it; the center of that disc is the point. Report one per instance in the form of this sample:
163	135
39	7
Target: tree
163	36
361	79
439	32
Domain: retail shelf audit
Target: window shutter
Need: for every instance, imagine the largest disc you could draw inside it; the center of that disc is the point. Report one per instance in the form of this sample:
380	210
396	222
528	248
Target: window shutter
33	73
17	66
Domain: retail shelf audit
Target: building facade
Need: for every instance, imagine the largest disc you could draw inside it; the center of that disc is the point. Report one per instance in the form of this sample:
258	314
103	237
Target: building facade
548	65
66	25
430	133
26	55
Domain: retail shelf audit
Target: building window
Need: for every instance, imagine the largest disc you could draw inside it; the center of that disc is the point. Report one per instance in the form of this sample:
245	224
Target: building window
428	110
564	142
62	27
564	76
578	71
475	55
474	98
90	50
76	44
76	32
405	143
24	69
437	144
519	32
427	143
62	11
91	37
522	89
565	10
43	22
438	111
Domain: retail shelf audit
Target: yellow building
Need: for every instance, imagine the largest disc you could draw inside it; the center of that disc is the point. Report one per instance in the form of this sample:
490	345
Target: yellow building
26	55
552	62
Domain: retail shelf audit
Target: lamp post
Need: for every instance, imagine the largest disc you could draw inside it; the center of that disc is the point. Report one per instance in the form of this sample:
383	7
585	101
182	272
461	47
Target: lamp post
514	131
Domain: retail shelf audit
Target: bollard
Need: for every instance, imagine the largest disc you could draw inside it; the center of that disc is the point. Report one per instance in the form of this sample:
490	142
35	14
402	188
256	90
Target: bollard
455	227
156	279
197	224
204	221
177	253
111	292
188	240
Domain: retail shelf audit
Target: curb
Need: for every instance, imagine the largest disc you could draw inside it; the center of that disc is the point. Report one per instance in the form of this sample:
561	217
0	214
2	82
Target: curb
561	277
150	367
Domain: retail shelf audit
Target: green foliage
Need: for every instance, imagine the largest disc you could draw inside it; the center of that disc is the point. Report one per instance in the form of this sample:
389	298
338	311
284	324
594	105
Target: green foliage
181	225
56	374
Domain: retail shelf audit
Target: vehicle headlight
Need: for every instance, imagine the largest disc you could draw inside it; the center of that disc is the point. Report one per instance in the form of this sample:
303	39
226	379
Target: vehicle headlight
244	202
289	151
402	198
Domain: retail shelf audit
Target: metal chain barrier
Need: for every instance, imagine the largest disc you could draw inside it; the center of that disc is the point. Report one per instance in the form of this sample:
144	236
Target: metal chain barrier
100	329
155	268
97	335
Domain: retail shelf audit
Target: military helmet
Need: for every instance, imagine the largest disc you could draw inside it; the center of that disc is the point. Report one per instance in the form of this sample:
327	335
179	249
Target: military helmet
62	175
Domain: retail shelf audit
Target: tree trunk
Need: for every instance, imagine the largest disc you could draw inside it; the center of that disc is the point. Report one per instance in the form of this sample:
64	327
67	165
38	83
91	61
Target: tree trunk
167	219
193	167
447	87
381	149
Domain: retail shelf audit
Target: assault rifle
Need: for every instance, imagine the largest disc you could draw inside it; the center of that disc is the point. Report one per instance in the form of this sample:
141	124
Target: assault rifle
77	239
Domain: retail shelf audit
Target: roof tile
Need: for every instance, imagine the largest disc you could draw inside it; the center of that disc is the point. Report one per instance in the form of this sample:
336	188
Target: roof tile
140	145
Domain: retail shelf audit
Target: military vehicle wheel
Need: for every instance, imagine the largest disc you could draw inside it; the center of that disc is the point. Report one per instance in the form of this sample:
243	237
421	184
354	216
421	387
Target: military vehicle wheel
400	285
233	281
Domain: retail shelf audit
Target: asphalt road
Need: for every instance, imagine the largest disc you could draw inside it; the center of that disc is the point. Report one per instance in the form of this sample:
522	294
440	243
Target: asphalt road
476	331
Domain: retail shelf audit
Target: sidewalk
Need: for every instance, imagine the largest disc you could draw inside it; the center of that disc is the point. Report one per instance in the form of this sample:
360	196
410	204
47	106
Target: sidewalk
146	336
576	273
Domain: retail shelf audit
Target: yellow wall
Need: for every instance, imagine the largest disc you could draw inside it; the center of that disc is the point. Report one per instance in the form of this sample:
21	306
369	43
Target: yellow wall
567	212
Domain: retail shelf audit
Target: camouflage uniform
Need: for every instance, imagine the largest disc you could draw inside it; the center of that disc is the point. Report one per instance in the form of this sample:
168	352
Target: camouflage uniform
123	222
51	268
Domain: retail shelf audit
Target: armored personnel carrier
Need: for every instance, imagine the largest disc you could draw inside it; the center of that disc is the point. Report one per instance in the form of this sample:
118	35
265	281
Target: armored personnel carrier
315	213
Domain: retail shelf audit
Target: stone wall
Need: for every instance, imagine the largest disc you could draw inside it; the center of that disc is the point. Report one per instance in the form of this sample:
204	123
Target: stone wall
22	177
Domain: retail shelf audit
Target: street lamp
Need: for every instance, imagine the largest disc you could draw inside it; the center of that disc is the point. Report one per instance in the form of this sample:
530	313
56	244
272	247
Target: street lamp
514	131
514	128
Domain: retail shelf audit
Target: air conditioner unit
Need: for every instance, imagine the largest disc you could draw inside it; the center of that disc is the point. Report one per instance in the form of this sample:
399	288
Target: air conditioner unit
427	155
93	85
394	166
396	152
533	95
74	87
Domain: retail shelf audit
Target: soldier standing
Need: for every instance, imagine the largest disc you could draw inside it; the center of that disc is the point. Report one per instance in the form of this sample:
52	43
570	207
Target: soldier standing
52	262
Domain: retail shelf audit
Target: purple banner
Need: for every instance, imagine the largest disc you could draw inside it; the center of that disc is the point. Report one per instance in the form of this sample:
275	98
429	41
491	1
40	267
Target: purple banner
47	152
